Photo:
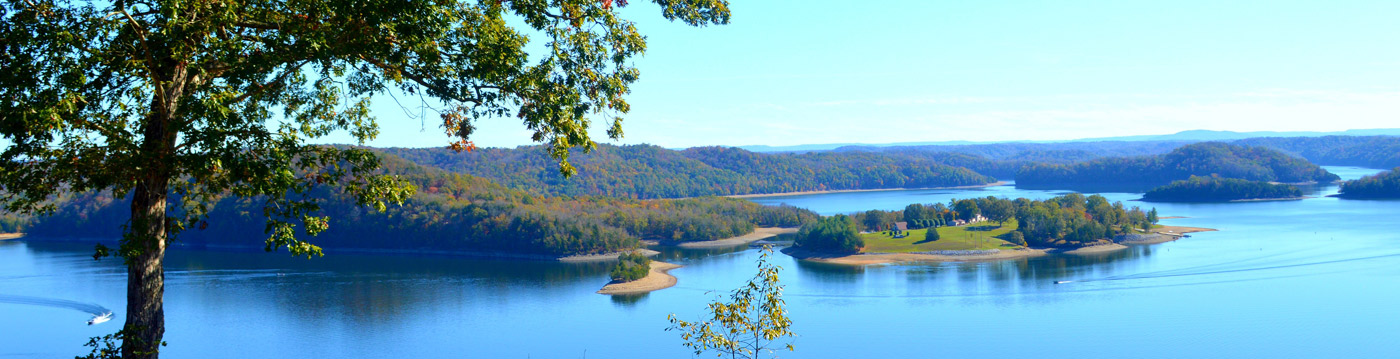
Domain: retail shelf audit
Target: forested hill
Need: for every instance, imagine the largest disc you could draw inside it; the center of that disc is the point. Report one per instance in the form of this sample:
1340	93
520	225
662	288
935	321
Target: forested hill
1382	185
1361	151
646	171
456	212
1202	159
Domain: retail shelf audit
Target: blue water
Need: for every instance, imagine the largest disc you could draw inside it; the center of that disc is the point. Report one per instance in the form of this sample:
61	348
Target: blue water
1310	278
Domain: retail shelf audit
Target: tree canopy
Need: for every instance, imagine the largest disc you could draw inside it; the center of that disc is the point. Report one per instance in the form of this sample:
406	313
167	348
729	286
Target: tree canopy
1216	189
830	234
206	98
1381	185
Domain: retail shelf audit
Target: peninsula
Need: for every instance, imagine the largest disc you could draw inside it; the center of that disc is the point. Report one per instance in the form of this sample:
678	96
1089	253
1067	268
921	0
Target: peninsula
1071	224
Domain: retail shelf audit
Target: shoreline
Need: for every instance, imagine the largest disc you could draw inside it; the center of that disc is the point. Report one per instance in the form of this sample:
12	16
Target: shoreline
888	258
1161	235
1299	198
1097	249
4	236
799	193
577	258
656	279
758	234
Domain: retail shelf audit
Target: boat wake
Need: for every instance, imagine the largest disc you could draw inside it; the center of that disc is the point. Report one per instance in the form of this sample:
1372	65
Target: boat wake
1204	271
99	313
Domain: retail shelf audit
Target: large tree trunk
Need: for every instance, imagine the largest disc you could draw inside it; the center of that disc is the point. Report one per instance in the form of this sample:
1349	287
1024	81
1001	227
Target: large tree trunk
145	281
145	238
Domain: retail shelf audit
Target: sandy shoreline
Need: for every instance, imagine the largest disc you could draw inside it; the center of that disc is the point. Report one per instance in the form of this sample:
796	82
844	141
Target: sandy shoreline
1099	249
657	279
993	184
603	257
1179	230
757	234
1271	199
4	236
884	258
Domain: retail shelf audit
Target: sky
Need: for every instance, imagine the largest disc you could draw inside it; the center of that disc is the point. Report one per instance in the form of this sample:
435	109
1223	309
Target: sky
807	72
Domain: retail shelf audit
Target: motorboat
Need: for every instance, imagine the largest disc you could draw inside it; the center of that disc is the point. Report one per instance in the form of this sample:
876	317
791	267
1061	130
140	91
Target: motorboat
98	319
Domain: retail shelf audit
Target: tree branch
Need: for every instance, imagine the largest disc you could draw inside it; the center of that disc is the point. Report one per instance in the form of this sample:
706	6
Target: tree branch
421	81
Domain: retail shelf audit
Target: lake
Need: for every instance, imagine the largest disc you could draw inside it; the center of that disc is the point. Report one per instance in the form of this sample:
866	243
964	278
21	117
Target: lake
1309	278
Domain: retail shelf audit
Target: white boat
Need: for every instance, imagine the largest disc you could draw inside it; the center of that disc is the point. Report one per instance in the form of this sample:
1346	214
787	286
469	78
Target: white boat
98	319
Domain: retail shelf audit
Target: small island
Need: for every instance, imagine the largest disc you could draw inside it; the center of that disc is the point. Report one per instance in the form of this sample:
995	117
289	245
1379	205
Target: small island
635	273
1384	185
982	229
1217	189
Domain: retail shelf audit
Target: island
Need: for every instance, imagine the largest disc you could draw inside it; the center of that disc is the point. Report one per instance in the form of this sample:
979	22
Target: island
981	229
1217	189
636	273
1384	185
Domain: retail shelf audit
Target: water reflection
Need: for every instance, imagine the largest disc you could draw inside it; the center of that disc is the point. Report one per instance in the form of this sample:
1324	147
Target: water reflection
628	300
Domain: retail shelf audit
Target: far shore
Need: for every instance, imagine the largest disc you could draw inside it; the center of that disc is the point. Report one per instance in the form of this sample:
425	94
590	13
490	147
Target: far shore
4	236
758	234
993	184
656	279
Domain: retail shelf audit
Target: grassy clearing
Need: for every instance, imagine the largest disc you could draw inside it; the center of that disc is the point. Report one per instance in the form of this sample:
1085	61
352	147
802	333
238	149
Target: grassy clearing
976	237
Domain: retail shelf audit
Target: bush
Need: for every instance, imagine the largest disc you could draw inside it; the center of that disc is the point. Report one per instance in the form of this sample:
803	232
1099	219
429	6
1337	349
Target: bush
1018	238
631	266
931	235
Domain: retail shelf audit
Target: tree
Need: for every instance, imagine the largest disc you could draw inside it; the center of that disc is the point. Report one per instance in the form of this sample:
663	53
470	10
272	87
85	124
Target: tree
179	103
967	209
999	210
831	234
748	325
874	220
914	213
1152	216
631	266
931	235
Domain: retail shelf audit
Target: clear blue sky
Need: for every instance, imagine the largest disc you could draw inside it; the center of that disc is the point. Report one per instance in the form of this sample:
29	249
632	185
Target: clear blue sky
800	72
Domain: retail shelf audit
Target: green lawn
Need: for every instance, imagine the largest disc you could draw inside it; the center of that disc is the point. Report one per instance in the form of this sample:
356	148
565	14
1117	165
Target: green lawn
979	236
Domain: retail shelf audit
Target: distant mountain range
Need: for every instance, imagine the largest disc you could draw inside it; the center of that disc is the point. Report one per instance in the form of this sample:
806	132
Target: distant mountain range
1190	135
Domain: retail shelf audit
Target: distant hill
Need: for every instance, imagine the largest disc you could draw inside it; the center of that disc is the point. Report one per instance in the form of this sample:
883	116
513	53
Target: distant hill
1208	135
832	146
646	171
1183	136
1201	159
1367	151
450	212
